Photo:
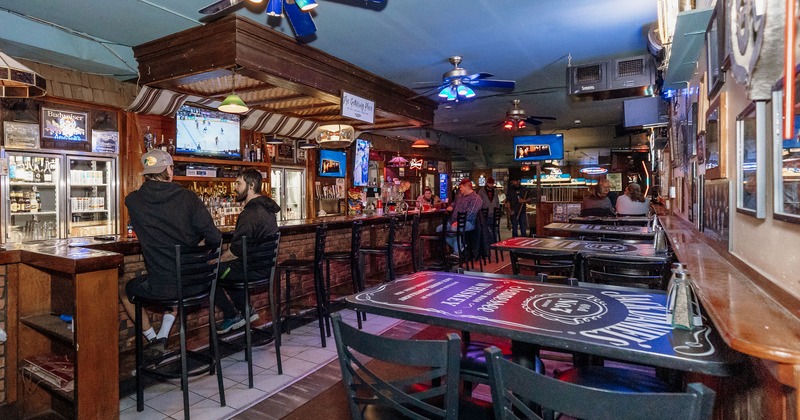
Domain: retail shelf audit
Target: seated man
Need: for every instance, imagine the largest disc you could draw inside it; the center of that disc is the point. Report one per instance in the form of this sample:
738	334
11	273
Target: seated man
256	221
468	202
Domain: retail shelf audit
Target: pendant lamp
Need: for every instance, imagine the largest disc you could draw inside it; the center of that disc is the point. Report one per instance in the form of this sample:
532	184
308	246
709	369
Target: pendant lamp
233	103
335	136
18	81
420	144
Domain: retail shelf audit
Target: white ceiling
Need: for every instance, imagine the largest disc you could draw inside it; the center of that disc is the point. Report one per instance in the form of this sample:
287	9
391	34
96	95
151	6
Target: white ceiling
405	41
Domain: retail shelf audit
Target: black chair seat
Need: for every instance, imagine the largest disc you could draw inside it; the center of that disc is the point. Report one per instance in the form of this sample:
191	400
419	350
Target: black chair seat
613	379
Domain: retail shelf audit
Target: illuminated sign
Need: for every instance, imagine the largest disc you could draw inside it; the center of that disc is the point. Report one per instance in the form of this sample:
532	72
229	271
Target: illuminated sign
594	170
416	163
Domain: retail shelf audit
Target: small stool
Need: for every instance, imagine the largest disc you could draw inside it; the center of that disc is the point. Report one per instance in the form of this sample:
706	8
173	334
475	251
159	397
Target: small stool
296	265
197	273
352	257
385	250
411	245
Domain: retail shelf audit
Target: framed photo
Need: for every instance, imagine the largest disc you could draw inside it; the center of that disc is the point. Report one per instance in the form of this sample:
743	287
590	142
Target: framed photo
64	125
751	145
691	130
284	153
17	135
105	141
701	147
786	158
714	156
715	49
616	181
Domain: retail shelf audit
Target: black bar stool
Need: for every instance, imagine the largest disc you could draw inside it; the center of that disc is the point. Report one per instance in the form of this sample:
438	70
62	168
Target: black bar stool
301	266
384	250
411	245
352	257
196	271
259	257
437	238
496	232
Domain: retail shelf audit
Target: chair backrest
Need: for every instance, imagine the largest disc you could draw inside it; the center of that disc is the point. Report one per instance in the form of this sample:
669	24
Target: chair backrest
410	395
461	222
355	239
392	232
555	263
496	223
319	247
259	257
414	231
625	271
196	269
514	387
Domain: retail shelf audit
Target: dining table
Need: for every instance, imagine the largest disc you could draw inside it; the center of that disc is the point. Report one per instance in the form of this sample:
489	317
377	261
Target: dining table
616	221
612	231
520	244
627	324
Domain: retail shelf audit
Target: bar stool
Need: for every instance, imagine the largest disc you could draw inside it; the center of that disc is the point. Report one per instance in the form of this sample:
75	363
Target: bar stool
196	281
437	238
411	245
384	250
496	233
352	257
259	257
302	266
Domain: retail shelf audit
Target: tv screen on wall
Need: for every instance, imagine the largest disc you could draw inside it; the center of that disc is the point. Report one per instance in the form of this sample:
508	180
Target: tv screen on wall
207	133
332	163
537	148
361	166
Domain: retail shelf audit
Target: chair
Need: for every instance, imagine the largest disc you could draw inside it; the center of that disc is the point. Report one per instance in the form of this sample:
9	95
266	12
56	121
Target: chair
429	375
598	212
259	258
386	250
351	256
411	245
295	265
464	243
437	238
515	387
496	233
620	270
556	263
196	270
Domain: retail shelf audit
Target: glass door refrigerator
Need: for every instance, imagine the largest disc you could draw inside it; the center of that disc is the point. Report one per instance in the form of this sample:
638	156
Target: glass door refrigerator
288	190
91	196
32	206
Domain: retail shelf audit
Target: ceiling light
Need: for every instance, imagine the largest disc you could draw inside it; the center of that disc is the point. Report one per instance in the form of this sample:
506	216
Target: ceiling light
306	5
256	1
335	136
465	91
233	103
508	125
308	145
275	8
274	141
420	144
398	160
448	92
18	81
520	124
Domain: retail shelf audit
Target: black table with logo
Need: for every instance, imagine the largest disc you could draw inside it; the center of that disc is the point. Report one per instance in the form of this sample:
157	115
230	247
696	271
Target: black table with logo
639	232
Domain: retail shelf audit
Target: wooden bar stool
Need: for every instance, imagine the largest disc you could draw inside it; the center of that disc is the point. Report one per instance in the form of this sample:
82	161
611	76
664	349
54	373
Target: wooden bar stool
384	250
352	257
302	266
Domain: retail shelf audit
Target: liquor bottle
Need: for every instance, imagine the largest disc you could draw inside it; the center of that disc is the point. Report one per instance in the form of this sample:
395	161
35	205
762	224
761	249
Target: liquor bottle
37	170
38	201
252	153
171	147
14	202
48	171
27	202
34	202
28	169
163	144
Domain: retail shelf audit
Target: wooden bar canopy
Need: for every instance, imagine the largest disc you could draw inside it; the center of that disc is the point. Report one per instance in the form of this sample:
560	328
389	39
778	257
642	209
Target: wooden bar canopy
274	73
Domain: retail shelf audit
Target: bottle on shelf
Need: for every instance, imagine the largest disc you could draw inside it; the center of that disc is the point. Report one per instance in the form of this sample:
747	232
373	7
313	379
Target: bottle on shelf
171	147
14	202
48	170
38	175
163	145
149	138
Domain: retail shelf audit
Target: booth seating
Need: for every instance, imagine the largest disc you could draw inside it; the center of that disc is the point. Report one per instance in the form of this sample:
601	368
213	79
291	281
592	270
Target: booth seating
197	270
301	266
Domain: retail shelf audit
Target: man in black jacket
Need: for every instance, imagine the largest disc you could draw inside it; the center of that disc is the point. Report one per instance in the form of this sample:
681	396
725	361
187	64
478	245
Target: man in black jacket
257	221
163	215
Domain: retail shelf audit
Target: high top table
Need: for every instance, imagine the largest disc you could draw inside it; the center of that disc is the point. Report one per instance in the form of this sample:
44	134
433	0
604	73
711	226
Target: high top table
617	221
620	323
603	230
636	251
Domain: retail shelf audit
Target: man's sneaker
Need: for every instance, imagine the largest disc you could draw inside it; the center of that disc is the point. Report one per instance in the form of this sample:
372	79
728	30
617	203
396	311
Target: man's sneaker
254	316
230	324
155	349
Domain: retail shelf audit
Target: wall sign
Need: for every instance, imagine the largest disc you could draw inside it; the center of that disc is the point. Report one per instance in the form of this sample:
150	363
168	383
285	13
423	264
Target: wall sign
105	141
415	163
358	108
63	125
20	135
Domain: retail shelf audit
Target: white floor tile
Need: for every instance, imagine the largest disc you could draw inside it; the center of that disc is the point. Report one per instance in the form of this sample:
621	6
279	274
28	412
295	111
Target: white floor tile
207	386
297	368
207	410
318	356
148	414
271	382
171	402
238	372
240	396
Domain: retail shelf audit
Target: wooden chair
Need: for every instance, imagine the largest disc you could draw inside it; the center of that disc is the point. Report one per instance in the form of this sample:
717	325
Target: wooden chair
514	388
196	271
428	387
386	250
555	263
352	257
259	259
411	245
620	270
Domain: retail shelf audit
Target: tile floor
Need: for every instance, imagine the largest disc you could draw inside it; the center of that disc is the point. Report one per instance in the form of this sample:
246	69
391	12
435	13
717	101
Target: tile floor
301	354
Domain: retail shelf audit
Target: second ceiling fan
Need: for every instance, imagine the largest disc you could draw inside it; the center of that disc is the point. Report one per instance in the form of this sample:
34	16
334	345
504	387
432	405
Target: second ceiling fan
517	119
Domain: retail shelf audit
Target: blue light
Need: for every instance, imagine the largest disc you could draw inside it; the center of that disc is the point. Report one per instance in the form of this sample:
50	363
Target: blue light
668	93
465	91
275	8
447	92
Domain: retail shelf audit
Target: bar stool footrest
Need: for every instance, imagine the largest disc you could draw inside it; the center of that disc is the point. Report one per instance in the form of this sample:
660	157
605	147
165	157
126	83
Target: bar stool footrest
170	368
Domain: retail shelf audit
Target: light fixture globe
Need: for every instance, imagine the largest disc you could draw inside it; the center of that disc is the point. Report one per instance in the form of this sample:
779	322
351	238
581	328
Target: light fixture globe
335	136
420	144
306	5
233	104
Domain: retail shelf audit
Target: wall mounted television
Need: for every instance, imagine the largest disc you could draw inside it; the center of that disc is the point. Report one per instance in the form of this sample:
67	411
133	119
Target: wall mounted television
538	148
207	133
332	163
361	165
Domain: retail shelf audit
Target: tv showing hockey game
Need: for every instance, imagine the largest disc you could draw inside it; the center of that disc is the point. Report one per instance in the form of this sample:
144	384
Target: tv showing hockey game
207	133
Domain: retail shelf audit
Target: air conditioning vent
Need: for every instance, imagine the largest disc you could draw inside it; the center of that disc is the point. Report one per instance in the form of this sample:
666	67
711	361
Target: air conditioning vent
627	68
587	79
588	74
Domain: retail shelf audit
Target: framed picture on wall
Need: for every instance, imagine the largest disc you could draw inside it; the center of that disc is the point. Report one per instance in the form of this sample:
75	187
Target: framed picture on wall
60	124
701	147
615	178
751	151
17	135
714	158
715	49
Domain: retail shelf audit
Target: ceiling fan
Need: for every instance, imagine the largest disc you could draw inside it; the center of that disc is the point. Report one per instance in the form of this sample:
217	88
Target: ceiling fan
516	119
457	84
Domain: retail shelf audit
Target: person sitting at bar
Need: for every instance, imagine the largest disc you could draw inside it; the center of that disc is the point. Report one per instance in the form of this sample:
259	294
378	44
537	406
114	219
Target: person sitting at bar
468	202
163	215
596	202
256	221
427	200
633	203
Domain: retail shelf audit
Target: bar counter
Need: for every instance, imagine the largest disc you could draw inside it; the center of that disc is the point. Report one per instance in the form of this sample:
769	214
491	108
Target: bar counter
753	316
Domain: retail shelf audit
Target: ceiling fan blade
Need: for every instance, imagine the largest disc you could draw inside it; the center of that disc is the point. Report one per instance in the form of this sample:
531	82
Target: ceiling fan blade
302	23
492	123
479	76
532	121
541	118
490	83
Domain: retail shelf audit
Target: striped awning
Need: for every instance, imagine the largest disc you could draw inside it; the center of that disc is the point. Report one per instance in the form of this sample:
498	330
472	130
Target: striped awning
166	102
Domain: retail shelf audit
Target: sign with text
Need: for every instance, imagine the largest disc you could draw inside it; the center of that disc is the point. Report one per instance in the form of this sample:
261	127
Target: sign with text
63	125
358	108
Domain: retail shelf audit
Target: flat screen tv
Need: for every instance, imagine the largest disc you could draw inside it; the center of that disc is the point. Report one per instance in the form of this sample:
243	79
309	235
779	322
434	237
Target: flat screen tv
361	166
537	148
332	163
207	133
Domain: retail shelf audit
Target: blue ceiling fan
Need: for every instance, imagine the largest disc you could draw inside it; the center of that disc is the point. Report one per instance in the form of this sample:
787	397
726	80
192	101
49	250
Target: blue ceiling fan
457	84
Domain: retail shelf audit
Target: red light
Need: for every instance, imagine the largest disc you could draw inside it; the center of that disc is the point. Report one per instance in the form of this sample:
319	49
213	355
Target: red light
508	125
521	124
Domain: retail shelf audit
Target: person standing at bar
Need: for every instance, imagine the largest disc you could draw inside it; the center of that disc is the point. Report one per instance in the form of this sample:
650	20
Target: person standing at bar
468	202
518	198
489	196
163	215
256	221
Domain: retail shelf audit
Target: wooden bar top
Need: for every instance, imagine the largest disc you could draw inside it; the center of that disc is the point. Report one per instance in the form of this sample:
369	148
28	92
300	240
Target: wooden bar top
747	316
61	255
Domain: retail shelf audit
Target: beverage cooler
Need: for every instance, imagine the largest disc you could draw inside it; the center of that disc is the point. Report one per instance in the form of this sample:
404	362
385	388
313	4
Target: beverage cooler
288	190
50	196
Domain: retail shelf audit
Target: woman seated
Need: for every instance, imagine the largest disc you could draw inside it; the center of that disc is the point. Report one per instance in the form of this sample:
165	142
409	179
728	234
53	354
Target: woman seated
633	203
596	202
